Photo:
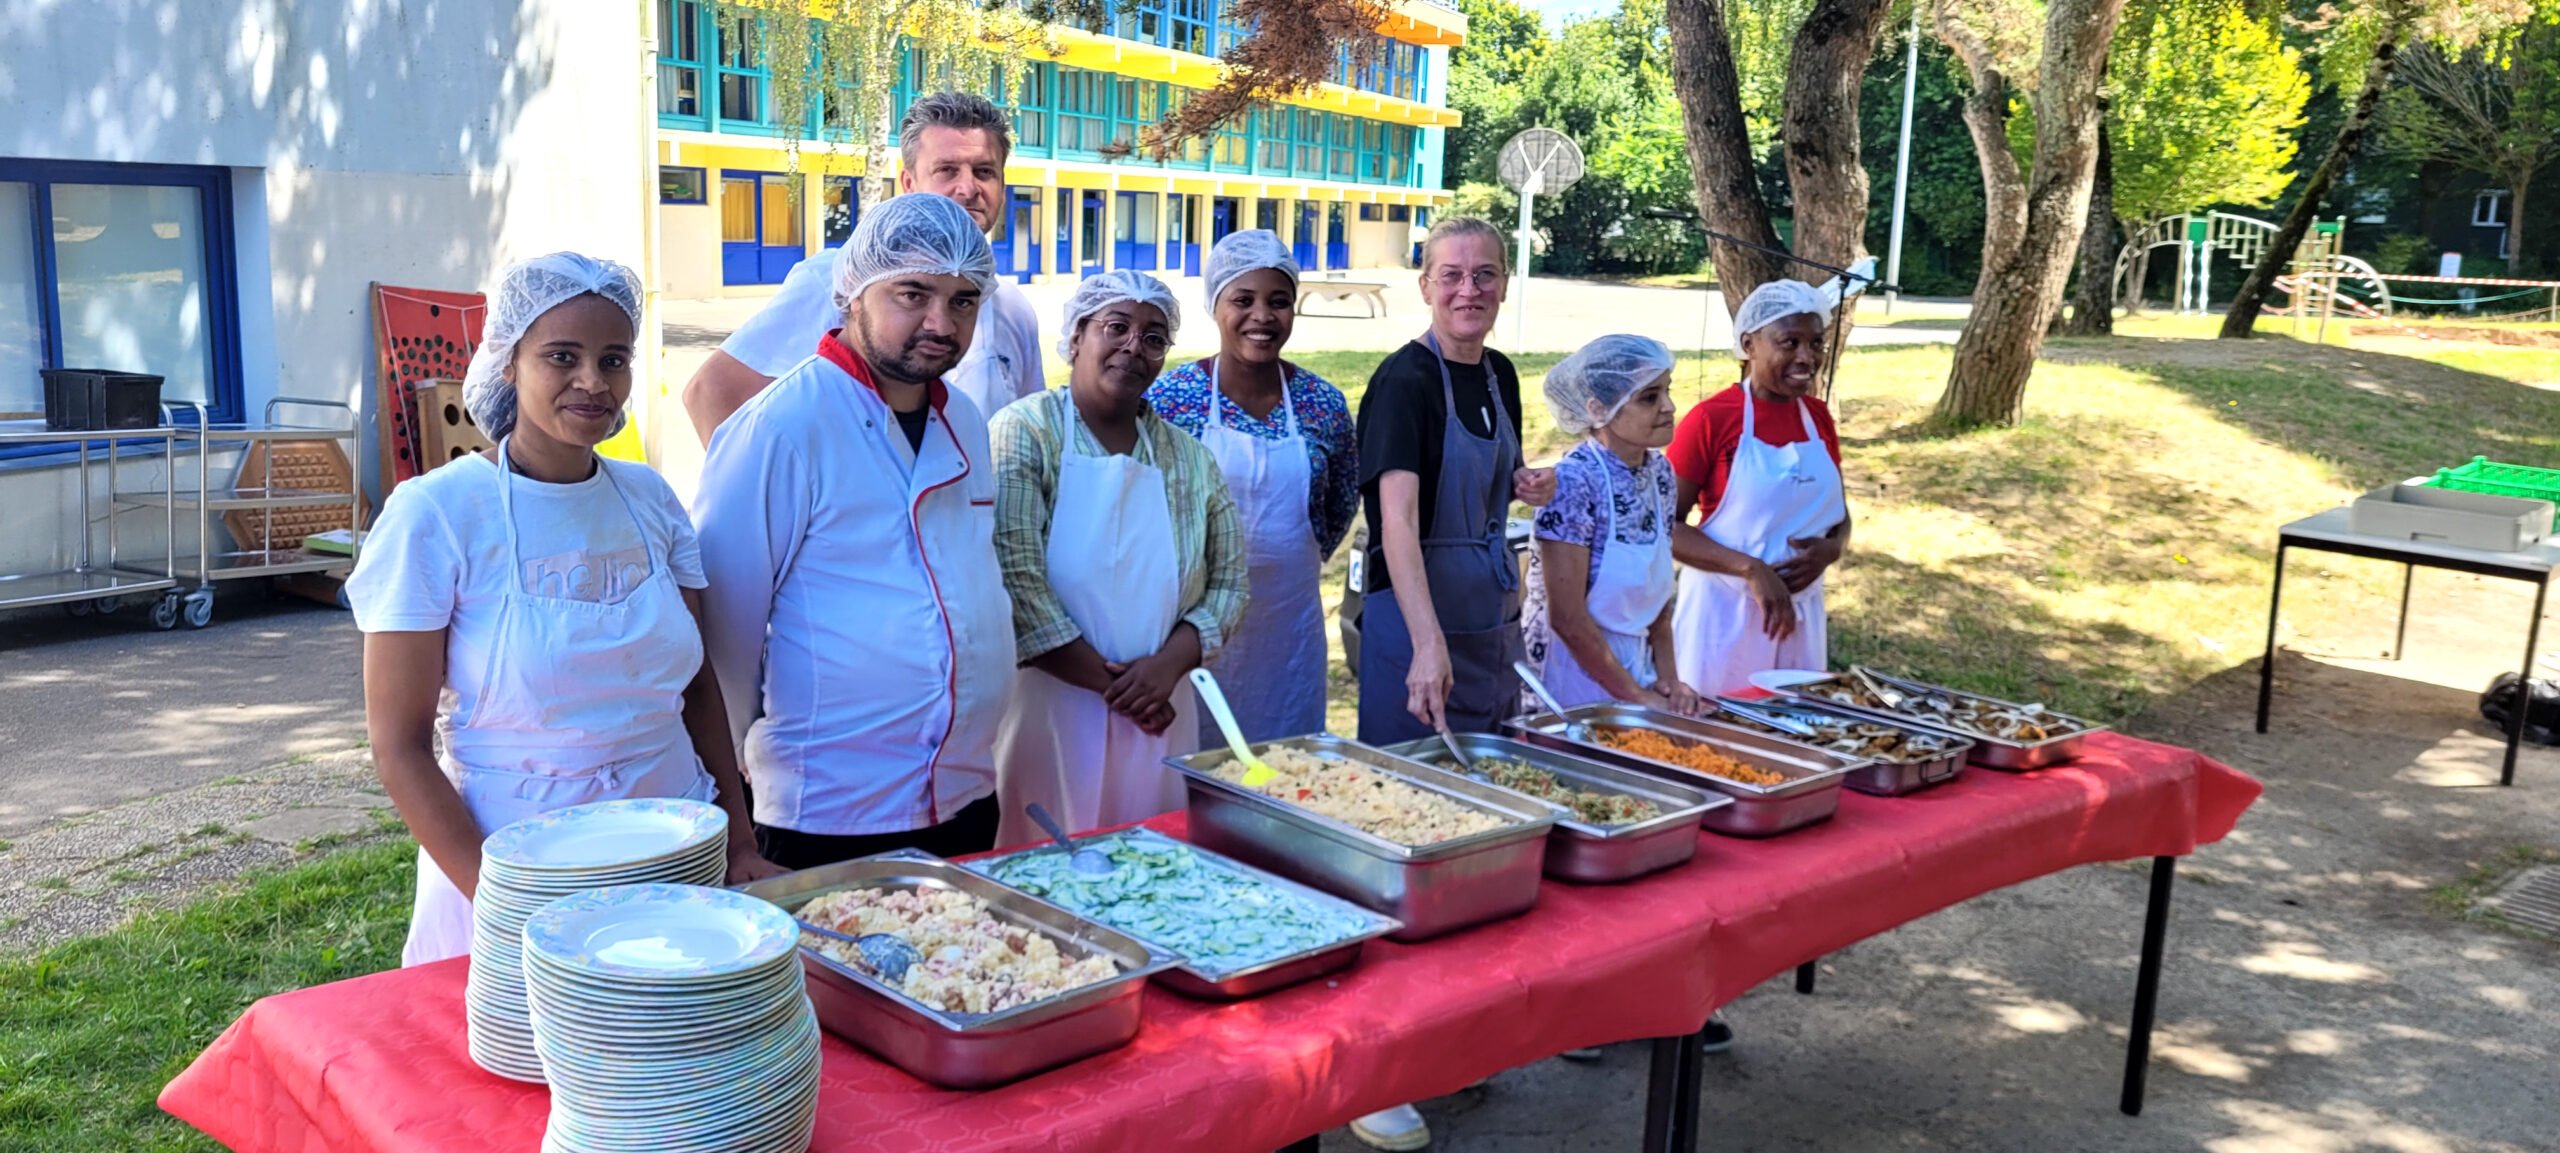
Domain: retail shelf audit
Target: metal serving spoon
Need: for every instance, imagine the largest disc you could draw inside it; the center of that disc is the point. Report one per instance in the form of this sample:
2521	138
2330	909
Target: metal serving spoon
1081	862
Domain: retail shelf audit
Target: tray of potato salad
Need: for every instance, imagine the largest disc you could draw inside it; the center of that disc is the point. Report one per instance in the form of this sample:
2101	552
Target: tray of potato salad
1429	848
1005	985
1239	930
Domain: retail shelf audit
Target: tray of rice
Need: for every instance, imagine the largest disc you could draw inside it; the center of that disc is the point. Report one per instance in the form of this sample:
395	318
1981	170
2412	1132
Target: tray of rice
1615	823
1429	848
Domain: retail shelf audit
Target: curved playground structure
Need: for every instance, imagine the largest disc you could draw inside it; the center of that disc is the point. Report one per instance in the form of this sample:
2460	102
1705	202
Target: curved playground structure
2323	280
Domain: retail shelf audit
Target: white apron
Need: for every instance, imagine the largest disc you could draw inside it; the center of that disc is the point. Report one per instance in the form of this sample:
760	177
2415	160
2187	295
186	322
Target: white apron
1111	562
560	665
1774	494
1272	665
1627	595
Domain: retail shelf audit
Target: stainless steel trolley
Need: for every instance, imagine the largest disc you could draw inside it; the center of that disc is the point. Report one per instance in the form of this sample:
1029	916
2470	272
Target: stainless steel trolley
88	585
247	558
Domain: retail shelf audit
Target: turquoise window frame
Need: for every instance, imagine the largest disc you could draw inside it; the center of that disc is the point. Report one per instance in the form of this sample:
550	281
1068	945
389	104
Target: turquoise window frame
761	122
1033	134
683	24
1192	26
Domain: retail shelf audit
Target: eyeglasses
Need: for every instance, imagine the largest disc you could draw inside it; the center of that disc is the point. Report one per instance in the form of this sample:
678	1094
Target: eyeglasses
1150	343
1483	279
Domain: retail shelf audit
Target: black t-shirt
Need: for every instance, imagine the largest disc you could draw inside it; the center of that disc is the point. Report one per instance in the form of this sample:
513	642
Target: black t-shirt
1402	420
913	424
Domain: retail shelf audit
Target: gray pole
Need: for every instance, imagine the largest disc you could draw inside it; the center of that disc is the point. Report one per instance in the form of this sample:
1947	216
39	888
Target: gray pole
1902	163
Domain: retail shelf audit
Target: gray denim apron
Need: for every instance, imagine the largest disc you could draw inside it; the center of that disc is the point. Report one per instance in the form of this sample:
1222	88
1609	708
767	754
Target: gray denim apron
1475	586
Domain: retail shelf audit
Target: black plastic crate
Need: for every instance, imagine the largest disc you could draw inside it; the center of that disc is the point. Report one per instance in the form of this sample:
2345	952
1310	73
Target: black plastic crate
96	400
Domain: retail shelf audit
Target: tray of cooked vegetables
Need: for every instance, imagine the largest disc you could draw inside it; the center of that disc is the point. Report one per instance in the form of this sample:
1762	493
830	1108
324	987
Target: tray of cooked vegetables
1003	985
1429	848
1239	930
1775	785
2005	734
1903	758
1615	823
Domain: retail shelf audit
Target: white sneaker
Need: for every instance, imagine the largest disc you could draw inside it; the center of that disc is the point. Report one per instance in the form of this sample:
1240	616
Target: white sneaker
1399	1129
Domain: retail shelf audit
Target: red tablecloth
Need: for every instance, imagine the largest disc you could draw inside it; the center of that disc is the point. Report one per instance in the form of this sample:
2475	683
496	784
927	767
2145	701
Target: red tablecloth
377	1063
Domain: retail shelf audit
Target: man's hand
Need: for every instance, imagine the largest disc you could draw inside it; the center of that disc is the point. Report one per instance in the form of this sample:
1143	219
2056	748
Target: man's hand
1426	684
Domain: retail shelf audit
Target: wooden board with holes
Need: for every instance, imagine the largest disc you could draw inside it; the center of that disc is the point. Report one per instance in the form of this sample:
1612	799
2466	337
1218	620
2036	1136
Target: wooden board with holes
446	431
317	466
418	334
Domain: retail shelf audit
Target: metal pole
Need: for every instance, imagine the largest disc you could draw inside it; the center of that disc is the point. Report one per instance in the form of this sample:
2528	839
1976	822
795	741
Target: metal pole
1520	295
2146	985
1902	164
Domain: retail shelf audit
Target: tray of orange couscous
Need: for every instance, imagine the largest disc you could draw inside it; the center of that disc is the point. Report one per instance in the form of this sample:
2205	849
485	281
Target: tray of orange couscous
1776	785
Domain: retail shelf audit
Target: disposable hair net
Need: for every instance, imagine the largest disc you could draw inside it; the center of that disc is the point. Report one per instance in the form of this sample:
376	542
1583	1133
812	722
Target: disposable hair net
1110	288
1776	301
911	234
525	291
1242	252
1586	390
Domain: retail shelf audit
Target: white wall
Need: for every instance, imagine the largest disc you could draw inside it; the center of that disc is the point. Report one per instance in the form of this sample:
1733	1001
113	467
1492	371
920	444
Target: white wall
689	249
413	142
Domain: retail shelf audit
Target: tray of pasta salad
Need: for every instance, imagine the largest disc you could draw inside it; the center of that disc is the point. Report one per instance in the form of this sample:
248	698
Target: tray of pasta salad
1430	848
1004	984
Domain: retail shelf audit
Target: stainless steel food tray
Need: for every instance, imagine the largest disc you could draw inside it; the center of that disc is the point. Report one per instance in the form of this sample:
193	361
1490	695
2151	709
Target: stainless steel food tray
1811	792
1434	889
1192	979
1578	850
969	1050
1883	776
1990	752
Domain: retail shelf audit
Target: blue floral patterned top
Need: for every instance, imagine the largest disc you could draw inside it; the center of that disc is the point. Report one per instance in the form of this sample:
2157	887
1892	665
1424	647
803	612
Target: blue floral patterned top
1585	477
1181	397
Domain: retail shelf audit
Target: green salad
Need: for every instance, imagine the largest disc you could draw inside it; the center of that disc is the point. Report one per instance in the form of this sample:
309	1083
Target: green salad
1218	919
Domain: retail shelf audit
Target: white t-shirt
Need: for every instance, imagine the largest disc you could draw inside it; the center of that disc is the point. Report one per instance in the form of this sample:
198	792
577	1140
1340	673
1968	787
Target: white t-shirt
1005	352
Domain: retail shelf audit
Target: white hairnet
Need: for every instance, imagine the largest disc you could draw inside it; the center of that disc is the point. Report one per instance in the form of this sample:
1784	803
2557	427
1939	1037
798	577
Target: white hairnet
1103	290
1586	390
1242	252
526	290
915	233
1776	301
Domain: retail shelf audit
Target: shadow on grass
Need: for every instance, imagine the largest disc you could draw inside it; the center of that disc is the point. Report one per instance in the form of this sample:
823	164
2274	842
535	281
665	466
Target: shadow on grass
2375	417
1938	624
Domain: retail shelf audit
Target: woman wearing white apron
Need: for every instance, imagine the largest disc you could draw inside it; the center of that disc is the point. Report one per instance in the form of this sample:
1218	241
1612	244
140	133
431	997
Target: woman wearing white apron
1600	581
1125	561
533	610
1764	458
1283	440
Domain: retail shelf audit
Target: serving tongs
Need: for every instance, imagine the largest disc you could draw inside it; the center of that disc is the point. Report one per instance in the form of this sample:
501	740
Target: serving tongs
1876	683
1760	712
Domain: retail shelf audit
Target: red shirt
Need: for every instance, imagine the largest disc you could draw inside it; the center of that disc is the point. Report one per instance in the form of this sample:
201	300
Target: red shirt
1702	447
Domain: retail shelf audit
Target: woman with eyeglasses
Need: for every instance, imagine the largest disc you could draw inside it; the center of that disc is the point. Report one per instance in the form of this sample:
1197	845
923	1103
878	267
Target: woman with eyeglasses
1126	563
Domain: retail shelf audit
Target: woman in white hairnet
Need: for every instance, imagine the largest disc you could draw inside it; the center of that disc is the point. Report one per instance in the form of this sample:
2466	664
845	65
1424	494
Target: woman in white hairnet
1126	563
1284	441
1598	617
1761	463
553	594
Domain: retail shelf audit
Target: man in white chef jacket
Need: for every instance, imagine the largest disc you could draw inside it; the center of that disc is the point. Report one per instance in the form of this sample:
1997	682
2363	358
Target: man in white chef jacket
951	144
856	615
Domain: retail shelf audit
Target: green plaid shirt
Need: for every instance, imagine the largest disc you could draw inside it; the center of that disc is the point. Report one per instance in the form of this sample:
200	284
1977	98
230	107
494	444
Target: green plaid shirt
1030	437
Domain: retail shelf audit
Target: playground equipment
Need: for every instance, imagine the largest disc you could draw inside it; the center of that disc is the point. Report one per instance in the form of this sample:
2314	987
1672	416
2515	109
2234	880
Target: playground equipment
2321	280
2197	236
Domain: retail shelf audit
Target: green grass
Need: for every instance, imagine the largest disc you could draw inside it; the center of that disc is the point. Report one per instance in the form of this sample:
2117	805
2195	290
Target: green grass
90	1030
2461	898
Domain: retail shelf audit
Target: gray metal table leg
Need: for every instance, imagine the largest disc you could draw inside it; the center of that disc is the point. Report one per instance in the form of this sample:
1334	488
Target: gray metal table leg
1804	976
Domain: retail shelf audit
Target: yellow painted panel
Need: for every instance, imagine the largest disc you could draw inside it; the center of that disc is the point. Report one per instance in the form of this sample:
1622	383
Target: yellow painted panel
1195	186
1145	182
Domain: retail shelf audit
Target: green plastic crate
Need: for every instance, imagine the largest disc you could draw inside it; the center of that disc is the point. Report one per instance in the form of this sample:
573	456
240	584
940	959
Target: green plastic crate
2489	476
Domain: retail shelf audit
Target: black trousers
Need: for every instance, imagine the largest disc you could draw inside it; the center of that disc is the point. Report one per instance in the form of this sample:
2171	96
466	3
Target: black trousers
971	830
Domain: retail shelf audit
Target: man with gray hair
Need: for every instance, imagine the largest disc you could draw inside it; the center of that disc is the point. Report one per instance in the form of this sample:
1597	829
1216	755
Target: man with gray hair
857	616
951	144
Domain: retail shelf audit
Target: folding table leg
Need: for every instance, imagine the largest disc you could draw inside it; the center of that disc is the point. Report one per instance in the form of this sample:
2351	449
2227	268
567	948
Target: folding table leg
2400	636
2267	666
2524	688
2146	984
1671	1095
1307	1146
1804	976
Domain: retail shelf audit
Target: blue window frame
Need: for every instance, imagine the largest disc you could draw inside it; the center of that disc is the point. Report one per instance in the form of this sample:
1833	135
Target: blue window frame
118	266
1271	130
1344	163
683	100
1192	26
1031	117
1084	111
742	74
1139	20
1310	137
679	184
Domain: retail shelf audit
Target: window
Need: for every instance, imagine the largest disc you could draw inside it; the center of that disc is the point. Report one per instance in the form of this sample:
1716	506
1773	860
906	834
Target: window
2489	208
1233	151
1140	20
118	266
1272	125
742	73
1193	27
1083	110
1310	134
680	185
1031	120
1345	133
1399	214
839	207
1373	212
680	60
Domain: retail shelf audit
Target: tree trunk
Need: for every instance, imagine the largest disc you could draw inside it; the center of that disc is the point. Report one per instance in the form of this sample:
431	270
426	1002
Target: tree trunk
1720	161
2023	270
2517	183
2093	308
2243	317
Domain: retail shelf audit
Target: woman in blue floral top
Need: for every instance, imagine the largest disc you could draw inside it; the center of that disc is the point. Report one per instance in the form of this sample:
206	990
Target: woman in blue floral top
1284	439
1598	616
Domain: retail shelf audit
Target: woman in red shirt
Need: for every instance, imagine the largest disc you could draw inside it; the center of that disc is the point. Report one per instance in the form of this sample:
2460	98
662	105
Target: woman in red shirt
1773	513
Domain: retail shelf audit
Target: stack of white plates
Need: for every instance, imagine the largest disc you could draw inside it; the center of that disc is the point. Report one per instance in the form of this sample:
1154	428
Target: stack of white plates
672	1019
536	861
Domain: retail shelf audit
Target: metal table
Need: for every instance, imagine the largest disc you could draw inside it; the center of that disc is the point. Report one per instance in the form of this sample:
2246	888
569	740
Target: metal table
87	583
2328	532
